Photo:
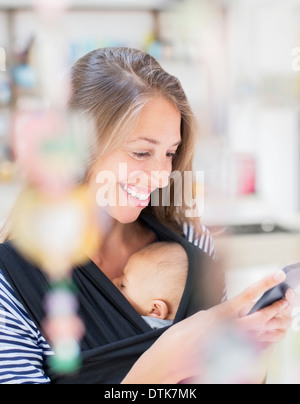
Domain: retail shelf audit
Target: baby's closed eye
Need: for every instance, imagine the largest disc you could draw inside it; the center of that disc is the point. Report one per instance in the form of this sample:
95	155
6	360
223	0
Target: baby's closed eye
118	282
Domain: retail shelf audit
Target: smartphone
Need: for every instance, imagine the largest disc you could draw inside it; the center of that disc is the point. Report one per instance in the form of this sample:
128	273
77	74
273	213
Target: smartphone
278	293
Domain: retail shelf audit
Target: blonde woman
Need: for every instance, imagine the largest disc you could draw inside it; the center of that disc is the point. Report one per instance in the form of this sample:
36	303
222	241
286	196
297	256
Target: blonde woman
144	123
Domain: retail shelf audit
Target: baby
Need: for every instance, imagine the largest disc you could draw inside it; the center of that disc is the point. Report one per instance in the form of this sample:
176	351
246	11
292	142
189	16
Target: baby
154	280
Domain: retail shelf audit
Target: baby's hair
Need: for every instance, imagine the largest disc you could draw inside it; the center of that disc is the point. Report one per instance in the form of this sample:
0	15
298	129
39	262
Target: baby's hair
169	265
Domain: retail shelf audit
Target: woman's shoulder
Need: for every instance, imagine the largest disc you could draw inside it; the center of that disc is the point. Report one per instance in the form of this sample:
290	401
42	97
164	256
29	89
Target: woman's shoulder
201	239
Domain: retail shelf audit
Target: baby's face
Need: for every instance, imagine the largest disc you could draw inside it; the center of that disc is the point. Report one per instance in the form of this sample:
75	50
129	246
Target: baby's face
153	280
133	284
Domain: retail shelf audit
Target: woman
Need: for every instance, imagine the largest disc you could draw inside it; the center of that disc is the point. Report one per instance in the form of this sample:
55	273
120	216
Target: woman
144	123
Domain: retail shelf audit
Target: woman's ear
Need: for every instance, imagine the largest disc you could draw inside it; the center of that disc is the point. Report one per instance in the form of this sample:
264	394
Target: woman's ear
159	309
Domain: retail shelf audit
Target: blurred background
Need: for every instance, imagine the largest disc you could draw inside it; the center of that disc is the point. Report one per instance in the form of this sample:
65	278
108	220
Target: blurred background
239	62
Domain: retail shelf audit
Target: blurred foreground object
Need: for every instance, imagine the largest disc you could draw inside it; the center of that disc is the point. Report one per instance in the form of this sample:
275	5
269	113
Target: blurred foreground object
7	171
58	232
52	148
54	222
63	327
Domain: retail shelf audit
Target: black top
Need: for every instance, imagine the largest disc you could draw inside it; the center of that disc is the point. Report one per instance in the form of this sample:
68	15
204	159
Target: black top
116	335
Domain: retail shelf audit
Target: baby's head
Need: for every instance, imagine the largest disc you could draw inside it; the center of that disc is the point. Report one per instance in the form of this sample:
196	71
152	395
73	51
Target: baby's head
154	280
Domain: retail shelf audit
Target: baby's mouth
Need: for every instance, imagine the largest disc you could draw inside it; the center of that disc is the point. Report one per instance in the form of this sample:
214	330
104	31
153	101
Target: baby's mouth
136	193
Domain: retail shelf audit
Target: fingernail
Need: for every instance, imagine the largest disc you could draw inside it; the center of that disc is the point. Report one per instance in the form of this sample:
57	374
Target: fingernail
279	276
284	305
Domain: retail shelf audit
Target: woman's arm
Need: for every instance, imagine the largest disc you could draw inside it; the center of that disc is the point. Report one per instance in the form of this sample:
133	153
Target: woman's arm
176	355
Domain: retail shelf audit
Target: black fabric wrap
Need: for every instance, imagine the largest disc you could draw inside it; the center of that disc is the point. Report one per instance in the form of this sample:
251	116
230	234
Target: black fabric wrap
116	335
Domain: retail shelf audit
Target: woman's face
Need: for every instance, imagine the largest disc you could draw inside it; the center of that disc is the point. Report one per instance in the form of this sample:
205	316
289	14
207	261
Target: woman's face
124	180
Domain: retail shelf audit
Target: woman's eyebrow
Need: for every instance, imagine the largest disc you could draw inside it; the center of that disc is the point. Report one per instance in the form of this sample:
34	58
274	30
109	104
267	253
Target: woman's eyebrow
154	141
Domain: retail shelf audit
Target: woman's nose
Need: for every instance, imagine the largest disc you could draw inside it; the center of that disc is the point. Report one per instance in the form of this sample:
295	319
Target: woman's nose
159	179
160	174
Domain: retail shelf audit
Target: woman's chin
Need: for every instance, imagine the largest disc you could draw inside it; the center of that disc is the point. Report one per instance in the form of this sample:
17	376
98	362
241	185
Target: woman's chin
126	215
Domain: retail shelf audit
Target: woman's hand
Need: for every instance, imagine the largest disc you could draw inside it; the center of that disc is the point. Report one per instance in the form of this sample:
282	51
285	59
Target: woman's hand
177	353
268	326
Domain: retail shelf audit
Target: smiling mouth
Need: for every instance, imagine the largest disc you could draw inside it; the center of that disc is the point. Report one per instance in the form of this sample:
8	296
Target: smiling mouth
135	193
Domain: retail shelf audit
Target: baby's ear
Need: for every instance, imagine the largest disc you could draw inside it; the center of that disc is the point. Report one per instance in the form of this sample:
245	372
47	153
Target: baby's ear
159	309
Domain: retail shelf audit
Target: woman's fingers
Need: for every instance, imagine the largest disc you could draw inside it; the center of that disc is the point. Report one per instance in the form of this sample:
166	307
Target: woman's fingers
278	316
250	295
267	326
279	323
241	305
244	302
258	320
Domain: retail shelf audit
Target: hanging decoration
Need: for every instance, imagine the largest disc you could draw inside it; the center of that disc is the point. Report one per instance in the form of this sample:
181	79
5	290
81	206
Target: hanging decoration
54	223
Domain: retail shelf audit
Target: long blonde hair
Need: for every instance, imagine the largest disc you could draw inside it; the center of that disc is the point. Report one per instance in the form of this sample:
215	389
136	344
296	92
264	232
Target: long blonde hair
112	85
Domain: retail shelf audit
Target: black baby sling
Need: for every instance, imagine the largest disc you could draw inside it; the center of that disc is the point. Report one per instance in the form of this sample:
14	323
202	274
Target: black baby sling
116	335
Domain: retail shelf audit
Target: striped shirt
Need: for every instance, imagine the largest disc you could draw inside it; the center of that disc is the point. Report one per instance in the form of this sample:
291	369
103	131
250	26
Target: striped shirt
23	349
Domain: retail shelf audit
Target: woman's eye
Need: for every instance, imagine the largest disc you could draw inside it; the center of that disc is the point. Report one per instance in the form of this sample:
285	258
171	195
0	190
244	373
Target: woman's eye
172	155
144	155
141	156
